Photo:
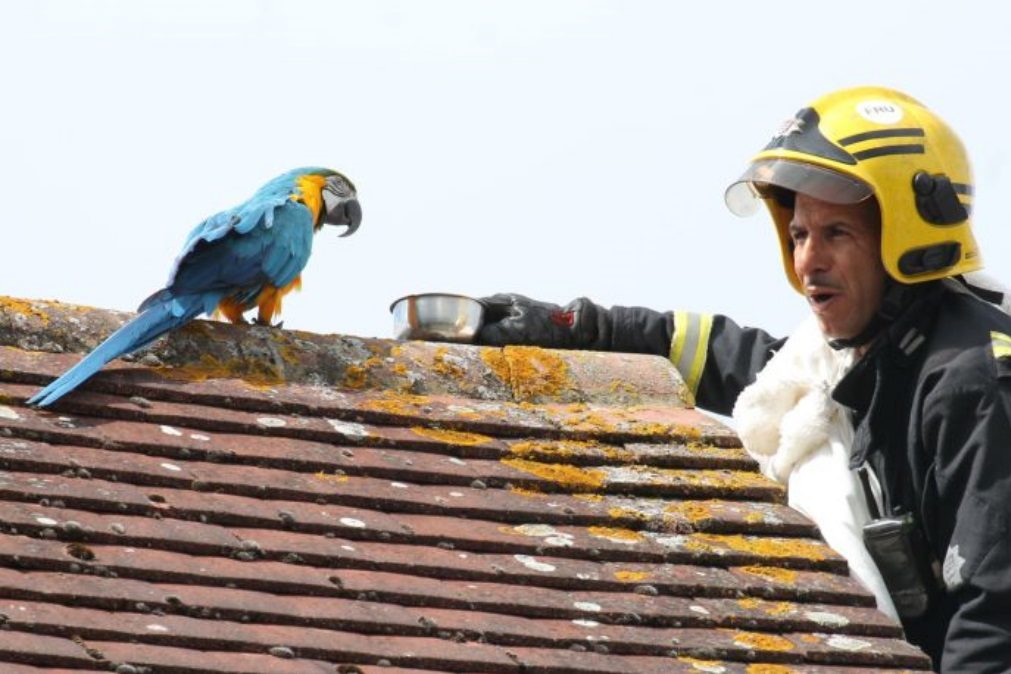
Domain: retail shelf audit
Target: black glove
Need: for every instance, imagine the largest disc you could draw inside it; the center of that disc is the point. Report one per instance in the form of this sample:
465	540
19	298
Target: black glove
581	324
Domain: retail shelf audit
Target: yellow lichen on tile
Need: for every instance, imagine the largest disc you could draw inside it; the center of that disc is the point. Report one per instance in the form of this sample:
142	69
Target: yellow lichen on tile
562	448
625	420
615	534
331	478
763	642
497	362
527	448
451	437
531	493
255	372
787	576
691	511
621	513
393	402
779	608
535	372
568	477
357	376
621	386
530	372
689	433
762	547
618	454
23	308
354	377
590	421
632	576
775	608
702	447
717	479
655	429
285	347
708	666
290	354
446	367
769	669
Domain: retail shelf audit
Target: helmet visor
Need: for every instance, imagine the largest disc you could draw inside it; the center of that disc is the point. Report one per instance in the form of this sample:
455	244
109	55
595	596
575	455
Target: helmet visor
744	195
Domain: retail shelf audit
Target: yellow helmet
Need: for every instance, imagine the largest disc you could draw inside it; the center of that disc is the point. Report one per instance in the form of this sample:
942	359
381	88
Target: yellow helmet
871	141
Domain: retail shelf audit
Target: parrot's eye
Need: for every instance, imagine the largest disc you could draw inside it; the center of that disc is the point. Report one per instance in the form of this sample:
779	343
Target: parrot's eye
340	186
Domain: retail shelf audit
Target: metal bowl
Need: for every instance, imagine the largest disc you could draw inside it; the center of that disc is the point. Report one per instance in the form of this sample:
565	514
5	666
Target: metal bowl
442	317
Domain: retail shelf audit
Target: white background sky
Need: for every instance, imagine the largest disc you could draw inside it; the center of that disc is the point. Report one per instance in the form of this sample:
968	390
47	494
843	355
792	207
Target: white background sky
551	148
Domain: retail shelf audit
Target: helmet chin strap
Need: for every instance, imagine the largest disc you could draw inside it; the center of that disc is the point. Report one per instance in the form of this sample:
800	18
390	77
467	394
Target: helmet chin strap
896	298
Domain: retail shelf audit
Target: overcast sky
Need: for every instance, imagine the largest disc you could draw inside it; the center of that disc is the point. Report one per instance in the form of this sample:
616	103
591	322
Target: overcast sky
551	148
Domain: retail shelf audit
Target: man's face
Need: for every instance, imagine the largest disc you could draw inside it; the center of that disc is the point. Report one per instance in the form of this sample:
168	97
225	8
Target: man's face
837	257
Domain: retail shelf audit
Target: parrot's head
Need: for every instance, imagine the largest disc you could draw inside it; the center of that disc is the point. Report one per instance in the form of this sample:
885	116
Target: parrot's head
339	202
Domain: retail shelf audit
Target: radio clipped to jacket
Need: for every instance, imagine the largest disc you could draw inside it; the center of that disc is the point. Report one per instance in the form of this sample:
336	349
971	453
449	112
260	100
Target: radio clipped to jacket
901	553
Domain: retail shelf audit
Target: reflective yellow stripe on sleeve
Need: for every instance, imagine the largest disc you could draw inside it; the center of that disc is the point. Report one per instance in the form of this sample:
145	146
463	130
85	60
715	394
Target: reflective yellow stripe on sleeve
1000	343
690	346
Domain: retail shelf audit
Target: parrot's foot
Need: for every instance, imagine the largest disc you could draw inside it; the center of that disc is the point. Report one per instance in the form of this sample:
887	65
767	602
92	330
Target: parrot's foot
267	324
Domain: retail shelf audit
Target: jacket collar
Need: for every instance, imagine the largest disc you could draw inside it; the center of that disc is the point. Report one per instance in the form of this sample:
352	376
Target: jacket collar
870	381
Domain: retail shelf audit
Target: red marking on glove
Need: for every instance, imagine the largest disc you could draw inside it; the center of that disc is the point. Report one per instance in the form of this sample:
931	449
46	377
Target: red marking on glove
564	319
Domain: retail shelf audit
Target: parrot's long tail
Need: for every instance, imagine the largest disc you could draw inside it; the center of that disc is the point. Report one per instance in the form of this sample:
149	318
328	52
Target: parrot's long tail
147	326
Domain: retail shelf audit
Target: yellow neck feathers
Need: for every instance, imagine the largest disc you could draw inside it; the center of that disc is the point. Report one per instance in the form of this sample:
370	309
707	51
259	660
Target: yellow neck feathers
310	188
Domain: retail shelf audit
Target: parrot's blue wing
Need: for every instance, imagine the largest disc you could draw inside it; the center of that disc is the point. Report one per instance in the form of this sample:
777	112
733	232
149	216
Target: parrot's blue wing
243	259
257	212
243	218
266	241
290	246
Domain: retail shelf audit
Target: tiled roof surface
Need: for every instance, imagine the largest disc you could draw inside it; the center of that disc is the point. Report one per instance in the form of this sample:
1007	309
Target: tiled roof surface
248	500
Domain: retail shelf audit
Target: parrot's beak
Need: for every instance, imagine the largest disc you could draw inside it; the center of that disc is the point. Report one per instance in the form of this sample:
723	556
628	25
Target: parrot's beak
345	212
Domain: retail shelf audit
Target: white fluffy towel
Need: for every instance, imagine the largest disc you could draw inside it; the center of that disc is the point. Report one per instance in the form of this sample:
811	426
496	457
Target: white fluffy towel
802	438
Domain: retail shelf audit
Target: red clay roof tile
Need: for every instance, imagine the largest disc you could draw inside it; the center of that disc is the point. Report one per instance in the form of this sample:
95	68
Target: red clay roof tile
251	500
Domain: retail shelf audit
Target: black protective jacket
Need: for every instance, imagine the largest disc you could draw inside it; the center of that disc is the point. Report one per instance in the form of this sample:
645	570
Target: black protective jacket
931	406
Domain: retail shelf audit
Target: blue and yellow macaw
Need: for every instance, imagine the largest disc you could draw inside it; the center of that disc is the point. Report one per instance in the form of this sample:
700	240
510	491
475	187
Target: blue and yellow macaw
248	256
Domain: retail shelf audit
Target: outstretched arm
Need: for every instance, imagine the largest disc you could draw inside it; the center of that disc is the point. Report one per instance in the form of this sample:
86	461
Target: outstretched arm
715	356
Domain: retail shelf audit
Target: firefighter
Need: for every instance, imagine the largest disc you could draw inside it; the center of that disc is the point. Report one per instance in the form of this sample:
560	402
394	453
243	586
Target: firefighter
870	193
